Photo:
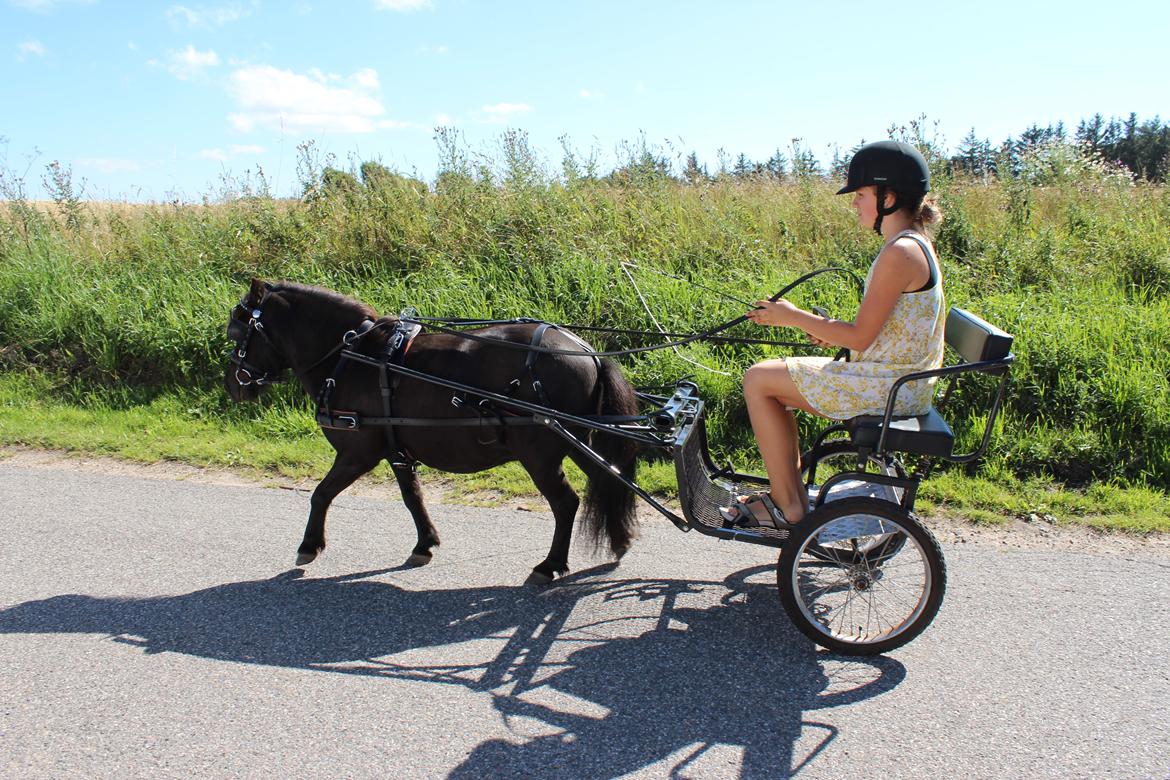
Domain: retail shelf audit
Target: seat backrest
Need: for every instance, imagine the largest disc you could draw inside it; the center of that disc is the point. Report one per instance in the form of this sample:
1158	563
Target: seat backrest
975	339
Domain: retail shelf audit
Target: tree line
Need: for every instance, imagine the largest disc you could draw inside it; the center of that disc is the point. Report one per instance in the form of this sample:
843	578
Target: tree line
1142	147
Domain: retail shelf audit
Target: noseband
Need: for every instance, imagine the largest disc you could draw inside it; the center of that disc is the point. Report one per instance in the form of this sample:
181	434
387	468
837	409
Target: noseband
246	373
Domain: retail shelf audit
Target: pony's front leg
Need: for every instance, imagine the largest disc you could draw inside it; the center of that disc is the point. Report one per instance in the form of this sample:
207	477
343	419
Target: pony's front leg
346	469
550	481
428	537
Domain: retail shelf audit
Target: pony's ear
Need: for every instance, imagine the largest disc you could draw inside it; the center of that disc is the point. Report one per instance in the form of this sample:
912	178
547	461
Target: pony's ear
256	293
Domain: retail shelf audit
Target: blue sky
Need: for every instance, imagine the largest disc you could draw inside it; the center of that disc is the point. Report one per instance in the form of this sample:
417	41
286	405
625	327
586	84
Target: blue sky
153	101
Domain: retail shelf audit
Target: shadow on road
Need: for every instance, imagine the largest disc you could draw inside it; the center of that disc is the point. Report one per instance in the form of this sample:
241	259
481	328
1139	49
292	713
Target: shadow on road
636	678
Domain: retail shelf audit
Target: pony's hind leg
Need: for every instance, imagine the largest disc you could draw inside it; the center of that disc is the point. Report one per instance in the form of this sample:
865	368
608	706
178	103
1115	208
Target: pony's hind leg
428	537
549	477
346	469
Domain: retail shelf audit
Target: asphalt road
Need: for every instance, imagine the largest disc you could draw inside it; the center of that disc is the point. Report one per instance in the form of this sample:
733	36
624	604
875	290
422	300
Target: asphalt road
154	628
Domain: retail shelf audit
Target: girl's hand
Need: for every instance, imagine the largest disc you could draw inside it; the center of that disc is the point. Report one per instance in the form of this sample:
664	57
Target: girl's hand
818	342
778	314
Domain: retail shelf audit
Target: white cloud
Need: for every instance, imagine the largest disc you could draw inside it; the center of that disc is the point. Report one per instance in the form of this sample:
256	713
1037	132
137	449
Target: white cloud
403	5
281	99
190	62
500	112
235	150
367	78
590	94
109	164
35	48
206	18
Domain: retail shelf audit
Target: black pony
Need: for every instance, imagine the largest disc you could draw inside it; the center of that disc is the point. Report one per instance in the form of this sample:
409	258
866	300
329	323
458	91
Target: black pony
292	326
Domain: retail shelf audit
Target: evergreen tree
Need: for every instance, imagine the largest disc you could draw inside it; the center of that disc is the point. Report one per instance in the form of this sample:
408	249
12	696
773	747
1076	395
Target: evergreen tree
1091	132
777	165
694	173
743	167
804	162
974	156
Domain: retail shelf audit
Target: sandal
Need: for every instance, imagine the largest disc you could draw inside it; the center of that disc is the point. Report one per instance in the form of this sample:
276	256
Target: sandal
745	516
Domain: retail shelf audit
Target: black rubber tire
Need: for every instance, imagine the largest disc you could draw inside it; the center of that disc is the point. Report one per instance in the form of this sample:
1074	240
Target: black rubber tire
860	576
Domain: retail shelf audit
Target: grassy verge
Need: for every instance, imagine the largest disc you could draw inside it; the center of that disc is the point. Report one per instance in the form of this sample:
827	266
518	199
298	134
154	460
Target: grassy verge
112	316
279	439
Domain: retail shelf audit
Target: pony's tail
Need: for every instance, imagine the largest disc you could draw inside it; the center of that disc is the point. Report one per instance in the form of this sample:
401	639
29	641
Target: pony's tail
609	504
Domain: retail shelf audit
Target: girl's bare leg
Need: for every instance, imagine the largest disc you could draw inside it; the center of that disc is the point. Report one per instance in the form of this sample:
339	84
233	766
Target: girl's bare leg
769	391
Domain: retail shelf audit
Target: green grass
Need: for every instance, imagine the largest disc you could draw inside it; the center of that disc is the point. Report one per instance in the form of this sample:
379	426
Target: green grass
996	501
280	439
165	428
112	316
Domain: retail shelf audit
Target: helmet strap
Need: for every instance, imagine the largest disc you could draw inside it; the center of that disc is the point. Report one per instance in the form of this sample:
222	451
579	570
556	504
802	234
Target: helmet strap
882	210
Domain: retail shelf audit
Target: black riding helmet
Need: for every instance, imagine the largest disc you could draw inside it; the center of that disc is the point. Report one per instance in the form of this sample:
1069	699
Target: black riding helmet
891	166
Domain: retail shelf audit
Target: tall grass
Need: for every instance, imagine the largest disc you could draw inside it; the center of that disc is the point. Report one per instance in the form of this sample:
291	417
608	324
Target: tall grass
128	303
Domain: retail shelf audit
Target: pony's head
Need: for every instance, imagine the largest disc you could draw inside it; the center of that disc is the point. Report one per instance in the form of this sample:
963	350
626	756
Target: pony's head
286	326
255	361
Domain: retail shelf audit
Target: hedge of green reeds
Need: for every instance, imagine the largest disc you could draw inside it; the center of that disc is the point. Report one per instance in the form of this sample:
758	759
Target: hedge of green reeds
128	303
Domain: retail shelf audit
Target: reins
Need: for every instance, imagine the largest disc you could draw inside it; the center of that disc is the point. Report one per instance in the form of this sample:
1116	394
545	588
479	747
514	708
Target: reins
451	326
433	323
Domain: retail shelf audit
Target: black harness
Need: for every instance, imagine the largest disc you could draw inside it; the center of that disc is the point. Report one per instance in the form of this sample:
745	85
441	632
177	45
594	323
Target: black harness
392	353
391	357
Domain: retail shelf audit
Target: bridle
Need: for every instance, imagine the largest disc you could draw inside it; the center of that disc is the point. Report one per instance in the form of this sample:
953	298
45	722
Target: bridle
247	373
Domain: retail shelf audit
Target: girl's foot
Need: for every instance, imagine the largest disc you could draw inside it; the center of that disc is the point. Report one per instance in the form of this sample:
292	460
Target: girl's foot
755	511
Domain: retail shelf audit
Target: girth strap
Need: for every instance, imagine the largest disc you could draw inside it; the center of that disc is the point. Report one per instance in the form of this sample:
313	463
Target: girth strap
530	362
395	354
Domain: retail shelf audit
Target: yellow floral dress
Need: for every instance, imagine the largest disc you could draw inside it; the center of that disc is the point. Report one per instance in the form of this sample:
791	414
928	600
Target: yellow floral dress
911	340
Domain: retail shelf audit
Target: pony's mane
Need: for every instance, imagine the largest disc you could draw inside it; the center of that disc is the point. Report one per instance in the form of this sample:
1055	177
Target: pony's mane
327	296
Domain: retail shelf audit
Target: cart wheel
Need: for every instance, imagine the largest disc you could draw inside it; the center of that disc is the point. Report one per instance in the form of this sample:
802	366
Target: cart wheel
833	457
861	603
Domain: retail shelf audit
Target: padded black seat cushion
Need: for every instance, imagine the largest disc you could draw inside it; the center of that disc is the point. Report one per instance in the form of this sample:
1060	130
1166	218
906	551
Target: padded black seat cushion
928	434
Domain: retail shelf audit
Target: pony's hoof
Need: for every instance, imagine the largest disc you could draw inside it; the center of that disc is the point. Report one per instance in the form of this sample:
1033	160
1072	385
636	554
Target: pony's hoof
418	559
303	558
538	578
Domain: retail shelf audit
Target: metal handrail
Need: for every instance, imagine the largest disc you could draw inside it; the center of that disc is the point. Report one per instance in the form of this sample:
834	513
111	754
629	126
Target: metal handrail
999	365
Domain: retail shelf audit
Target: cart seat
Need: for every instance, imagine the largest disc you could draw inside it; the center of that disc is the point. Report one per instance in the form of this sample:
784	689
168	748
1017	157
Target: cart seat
926	434
982	347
